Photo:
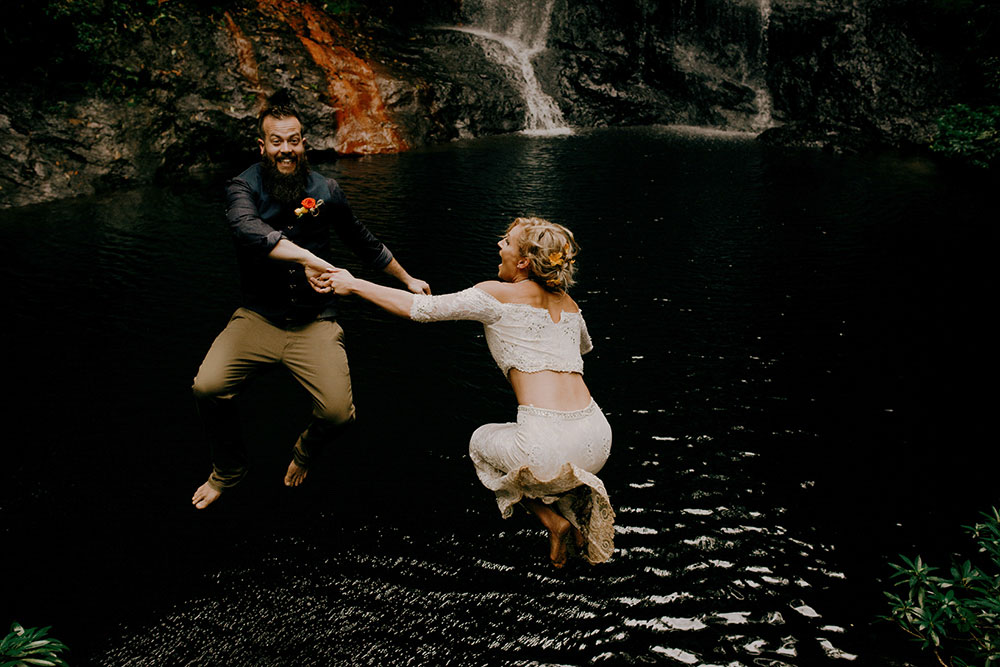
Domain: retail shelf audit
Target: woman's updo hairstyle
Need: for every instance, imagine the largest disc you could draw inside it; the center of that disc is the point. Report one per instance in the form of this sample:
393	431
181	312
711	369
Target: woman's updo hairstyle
551	251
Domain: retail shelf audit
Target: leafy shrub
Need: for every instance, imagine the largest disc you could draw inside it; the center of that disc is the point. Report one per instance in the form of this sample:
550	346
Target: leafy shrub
95	22
970	134
29	646
340	7
956	616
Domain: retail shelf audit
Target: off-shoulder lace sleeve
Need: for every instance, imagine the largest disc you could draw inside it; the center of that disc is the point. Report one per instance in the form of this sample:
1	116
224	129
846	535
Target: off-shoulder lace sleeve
469	304
586	345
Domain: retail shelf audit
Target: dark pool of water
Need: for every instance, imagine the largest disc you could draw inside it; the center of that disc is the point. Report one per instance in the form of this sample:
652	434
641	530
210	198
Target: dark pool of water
791	348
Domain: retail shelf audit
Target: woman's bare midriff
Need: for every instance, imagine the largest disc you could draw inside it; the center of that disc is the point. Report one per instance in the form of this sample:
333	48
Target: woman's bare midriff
552	390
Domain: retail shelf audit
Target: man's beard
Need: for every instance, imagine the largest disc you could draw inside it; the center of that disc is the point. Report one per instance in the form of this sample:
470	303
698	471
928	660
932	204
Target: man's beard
286	188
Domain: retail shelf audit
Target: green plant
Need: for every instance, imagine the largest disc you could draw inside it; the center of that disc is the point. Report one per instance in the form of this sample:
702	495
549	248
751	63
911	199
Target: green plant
340	7
956	616
96	22
29	646
971	134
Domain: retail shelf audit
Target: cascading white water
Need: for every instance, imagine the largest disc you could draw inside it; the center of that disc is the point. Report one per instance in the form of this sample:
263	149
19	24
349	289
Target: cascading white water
726	41
763	120
512	33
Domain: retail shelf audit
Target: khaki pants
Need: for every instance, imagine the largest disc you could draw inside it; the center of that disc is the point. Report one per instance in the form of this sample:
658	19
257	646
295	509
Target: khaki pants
250	344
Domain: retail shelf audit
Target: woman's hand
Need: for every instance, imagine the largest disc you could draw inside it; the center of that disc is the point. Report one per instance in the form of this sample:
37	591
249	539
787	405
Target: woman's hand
340	281
396	301
318	276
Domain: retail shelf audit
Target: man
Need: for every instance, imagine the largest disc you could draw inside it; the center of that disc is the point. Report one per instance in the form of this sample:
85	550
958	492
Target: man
281	214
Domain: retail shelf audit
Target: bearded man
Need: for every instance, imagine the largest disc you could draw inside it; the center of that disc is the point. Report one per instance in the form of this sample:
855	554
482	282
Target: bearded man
281	214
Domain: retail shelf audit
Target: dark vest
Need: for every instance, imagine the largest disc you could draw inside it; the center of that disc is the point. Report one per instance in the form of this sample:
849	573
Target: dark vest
317	187
279	290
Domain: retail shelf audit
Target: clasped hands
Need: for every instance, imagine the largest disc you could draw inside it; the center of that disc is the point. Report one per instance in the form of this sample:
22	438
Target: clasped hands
341	281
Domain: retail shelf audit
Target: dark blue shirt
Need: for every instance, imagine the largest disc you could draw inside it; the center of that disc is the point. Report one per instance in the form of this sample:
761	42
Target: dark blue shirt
279	290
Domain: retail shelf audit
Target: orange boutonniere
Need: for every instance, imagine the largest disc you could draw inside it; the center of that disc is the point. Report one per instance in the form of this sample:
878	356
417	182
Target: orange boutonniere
309	205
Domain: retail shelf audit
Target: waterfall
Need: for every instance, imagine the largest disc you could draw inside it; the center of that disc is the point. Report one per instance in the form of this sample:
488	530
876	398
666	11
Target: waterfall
763	119
726	42
512	33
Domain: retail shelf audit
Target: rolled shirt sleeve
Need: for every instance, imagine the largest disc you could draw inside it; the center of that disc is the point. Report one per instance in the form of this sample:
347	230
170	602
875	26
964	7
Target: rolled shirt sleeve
250	232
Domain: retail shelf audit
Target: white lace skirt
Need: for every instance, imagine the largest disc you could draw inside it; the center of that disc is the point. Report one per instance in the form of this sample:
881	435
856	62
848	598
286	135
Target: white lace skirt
553	456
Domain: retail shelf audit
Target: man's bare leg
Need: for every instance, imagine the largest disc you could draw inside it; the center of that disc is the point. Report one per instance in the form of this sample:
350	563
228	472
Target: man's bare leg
205	496
557	526
296	474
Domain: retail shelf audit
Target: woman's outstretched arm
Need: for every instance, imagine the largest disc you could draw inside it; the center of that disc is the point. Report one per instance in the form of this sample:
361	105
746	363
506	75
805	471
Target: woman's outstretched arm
395	301
470	304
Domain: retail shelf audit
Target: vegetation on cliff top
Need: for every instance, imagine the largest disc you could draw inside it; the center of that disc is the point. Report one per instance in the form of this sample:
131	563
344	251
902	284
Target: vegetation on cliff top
69	43
970	129
970	134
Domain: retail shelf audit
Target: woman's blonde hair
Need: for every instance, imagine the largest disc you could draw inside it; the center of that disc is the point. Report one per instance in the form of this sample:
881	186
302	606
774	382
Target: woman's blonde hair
550	250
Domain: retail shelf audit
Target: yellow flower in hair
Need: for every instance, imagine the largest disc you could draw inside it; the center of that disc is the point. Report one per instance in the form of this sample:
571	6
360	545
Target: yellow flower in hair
555	258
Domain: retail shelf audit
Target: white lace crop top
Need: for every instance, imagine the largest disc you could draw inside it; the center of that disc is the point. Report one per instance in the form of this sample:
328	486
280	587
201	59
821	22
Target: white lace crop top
519	335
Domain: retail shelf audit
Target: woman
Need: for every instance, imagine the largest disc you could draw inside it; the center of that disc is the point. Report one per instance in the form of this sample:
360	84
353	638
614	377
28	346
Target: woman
548	459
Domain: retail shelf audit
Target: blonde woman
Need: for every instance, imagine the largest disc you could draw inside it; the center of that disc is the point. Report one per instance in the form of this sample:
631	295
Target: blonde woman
549	458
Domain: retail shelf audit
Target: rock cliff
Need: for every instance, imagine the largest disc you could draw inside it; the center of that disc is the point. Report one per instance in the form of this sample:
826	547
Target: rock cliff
179	90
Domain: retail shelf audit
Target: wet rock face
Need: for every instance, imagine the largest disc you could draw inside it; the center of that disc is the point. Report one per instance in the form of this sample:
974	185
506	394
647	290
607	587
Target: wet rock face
95	143
443	87
829	64
858	71
175	101
185	90
596	65
834	73
194	88
654	62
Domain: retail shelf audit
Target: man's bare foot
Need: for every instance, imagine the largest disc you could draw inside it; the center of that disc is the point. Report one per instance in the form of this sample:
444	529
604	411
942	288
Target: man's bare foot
557	543
205	496
578	537
296	474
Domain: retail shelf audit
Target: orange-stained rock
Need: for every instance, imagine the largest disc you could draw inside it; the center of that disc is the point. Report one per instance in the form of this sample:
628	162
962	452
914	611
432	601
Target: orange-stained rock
246	61
363	126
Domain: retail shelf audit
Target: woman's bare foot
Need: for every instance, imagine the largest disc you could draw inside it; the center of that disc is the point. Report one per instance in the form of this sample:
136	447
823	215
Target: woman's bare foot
557	543
558	528
296	474
578	537
205	495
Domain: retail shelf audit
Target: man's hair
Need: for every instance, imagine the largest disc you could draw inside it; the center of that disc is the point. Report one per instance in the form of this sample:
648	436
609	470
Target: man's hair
278	106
